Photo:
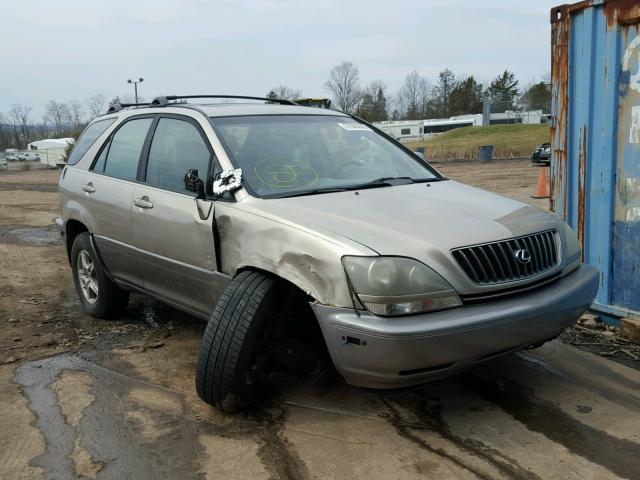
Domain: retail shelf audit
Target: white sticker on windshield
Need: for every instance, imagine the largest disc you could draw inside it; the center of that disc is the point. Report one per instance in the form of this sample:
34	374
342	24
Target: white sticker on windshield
354	126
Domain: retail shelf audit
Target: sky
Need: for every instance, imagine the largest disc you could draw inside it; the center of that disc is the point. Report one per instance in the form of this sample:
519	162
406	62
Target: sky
67	49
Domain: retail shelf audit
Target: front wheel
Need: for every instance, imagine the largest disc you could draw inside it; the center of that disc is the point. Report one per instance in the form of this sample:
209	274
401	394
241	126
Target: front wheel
99	296
232	360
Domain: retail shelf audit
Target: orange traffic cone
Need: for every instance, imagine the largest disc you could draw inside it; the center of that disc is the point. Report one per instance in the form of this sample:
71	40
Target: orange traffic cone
541	191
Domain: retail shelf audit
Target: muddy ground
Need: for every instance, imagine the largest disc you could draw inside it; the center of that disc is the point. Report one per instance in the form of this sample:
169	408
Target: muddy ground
84	398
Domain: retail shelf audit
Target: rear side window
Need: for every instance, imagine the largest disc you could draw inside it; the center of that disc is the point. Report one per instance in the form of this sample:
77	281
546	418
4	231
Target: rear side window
88	138
125	148
177	146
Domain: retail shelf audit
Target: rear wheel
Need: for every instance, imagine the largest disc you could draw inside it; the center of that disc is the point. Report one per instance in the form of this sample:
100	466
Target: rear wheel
231	369
99	296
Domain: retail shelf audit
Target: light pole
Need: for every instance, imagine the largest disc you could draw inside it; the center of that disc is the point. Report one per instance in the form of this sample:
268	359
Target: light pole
135	85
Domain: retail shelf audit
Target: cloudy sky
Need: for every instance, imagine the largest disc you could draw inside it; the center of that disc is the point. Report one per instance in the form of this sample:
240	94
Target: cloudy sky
68	49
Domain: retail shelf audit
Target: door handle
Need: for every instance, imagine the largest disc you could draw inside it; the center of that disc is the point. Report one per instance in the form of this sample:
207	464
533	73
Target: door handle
143	202
88	187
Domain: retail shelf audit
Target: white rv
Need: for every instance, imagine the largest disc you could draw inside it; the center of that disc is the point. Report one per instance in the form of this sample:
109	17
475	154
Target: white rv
402	129
51	150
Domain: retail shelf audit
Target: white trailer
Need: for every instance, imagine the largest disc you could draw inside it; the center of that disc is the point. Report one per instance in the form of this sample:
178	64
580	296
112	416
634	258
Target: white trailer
403	129
51	150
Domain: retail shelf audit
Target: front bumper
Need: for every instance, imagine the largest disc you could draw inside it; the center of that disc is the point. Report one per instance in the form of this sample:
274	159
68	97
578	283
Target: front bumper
540	159
378	352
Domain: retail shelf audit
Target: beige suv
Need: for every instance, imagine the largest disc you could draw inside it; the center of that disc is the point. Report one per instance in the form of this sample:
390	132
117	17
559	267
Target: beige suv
282	223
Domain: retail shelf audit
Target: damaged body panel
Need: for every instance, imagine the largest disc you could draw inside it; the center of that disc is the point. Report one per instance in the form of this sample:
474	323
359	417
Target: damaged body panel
251	238
596	141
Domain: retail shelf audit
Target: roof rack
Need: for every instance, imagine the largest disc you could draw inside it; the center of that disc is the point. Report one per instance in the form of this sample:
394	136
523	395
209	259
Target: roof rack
164	101
116	107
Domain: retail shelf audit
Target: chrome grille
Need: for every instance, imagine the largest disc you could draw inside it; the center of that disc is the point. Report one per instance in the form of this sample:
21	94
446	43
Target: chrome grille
496	262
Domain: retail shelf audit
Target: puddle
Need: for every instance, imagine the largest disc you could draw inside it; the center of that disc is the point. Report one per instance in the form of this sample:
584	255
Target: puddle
155	315
25	235
38	187
92	426
106	424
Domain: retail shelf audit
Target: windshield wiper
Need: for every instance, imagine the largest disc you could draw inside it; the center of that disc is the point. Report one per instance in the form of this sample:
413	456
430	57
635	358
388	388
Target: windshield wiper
392	181
315	191
386	182
376	183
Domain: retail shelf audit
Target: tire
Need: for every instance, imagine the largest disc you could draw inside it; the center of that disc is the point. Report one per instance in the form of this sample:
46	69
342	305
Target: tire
233	343
109	300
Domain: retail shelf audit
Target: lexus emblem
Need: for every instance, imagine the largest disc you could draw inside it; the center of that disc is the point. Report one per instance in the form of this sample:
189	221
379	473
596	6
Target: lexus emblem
522	255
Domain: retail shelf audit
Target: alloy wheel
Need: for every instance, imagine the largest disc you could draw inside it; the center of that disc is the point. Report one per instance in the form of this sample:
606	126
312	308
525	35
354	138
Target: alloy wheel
87	277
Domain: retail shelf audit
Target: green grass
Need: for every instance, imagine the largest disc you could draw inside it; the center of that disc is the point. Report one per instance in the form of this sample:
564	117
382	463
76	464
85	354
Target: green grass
509	141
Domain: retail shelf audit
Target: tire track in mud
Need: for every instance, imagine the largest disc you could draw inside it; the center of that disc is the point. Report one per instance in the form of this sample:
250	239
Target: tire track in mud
616	455
276	454
430	420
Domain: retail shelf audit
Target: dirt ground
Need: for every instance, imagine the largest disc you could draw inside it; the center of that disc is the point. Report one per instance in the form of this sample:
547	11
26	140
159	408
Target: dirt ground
84	398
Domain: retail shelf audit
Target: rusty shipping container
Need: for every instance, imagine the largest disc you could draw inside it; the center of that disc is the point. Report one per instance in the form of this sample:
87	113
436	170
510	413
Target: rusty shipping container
595	136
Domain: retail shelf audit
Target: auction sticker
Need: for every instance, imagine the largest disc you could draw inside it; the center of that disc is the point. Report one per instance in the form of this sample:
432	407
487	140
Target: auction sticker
354	126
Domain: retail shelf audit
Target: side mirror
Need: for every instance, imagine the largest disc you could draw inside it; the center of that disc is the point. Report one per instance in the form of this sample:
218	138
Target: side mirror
227	181
193	183
419	154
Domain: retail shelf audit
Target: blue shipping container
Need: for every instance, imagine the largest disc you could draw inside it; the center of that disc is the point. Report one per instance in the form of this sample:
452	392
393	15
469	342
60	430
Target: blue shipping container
595	135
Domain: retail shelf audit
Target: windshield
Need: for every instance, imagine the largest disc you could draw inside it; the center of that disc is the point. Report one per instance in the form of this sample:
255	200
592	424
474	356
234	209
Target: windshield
285	155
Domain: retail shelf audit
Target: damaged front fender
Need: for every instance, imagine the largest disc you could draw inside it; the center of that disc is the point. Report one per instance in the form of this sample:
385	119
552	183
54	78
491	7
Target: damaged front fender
305	258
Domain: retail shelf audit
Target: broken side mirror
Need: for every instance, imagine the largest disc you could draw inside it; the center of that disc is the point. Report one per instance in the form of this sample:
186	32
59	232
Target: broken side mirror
193	183
227	181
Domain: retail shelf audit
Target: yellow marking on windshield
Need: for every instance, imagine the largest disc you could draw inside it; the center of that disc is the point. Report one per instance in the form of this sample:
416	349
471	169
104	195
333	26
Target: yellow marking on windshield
286	175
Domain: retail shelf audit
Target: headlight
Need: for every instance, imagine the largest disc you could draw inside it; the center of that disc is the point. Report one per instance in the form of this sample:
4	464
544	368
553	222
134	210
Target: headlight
390	286
572	246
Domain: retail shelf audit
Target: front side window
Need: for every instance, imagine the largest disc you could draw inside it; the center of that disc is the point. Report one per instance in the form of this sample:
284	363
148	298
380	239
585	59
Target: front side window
88	138
177	146
284	155
125	148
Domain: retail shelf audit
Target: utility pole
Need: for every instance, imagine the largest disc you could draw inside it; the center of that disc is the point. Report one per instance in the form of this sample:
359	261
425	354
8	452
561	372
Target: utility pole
135	85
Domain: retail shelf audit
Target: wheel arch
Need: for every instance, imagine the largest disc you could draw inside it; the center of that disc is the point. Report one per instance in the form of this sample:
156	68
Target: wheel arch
290	277
284	280
73	228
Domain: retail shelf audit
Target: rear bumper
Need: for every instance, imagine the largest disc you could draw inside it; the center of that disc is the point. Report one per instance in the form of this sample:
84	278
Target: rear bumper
378	352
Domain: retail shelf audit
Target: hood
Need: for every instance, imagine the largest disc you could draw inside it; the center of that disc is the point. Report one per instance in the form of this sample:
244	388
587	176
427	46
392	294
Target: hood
423	221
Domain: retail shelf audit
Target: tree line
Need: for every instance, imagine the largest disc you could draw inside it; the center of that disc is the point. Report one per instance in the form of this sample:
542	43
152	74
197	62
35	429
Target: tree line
419	98
19	127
